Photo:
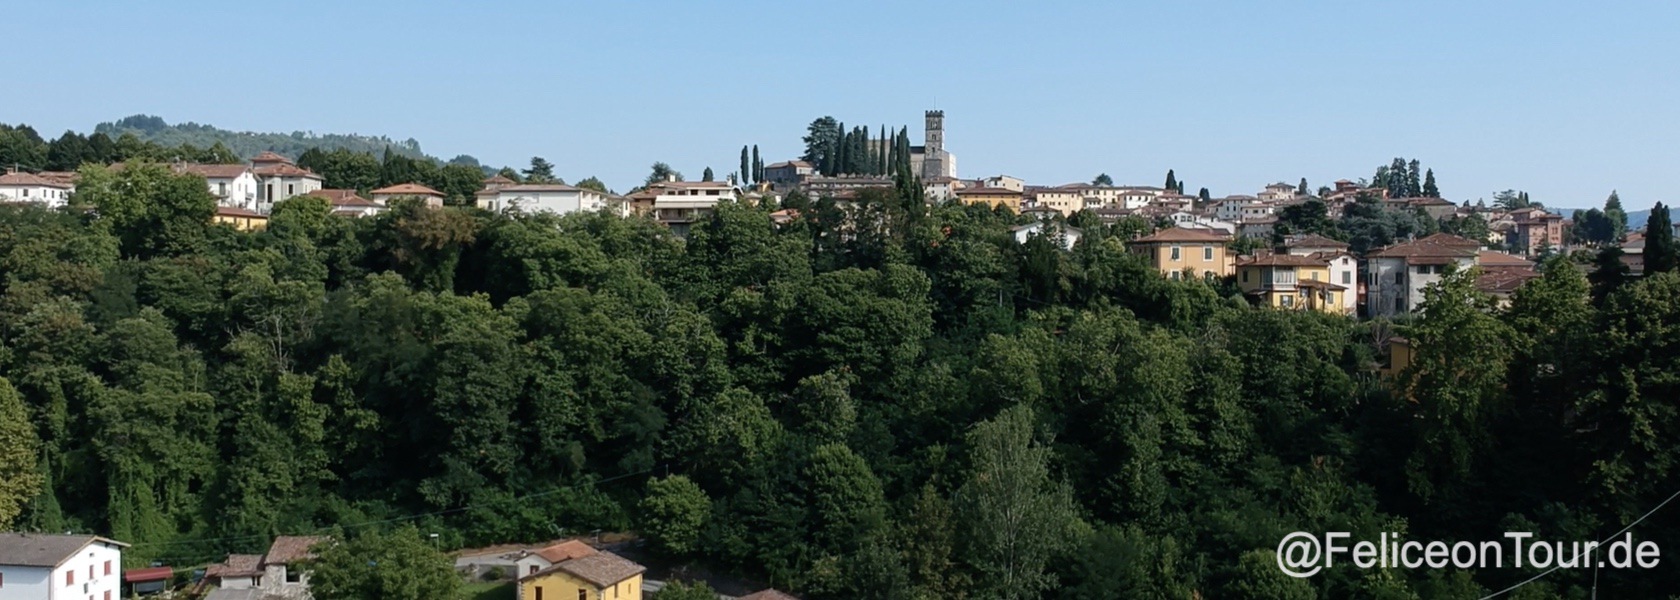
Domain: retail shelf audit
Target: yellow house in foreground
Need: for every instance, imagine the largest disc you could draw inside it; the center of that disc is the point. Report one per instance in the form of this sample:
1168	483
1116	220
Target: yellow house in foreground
241	219
1291	282
600	576
1176	249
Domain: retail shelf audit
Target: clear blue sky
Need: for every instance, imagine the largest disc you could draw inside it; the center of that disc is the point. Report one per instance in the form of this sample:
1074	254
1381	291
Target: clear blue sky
1564	99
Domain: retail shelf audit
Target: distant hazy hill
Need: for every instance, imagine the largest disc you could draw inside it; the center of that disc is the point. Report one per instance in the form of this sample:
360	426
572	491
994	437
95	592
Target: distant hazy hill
1636	219
250	143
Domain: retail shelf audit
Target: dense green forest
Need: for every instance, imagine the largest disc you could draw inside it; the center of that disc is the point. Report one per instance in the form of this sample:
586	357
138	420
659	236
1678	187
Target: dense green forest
886	400
249	143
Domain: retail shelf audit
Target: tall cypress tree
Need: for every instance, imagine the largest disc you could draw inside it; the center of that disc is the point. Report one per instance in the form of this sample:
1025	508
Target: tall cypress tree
891	166
757	165
1172	181
746	168
1660	254
1414	185
839	165
1429	188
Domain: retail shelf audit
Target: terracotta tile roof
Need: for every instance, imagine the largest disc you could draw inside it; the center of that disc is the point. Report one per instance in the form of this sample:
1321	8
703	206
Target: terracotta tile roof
290	548
43	550
1179	234
1279	260
213	171
1503	282
343	197
1440	246
1489	258
565	551
406	189
987	191
497	179
789	163
1451	240
147	574
68	178
770	594
270	157
29	179
284	170
236	565
602	569
536	187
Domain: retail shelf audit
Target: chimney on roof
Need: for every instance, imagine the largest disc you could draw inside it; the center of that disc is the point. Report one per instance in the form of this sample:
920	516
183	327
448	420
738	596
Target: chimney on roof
671	177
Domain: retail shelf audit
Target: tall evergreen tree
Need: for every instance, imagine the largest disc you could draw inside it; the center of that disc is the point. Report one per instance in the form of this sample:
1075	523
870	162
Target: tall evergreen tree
746	167
881	153
1618	217
840	148
1302	190
1608	274
1414	181
1172	181
541	171
706	175
820	140
1429	188
757	166
1661	256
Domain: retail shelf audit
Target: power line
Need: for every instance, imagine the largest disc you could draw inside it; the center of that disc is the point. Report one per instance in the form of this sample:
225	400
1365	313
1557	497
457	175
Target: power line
1595	549
397	519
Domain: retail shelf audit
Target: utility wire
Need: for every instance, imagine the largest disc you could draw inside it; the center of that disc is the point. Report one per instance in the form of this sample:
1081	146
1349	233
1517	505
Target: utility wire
1595	549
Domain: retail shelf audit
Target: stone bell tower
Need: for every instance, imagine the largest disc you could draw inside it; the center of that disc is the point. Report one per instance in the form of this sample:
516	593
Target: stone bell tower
935	161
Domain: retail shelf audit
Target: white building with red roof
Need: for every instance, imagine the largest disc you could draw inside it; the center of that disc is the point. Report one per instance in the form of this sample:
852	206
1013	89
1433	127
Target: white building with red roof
17	186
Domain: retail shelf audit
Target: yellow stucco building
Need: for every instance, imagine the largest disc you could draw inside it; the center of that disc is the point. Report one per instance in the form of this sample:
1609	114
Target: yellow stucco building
990	196
600	576
241	219
1175	250
1291	282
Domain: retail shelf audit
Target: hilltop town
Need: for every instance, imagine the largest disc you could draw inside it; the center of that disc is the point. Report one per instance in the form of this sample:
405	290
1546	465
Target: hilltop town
1286	245
853	373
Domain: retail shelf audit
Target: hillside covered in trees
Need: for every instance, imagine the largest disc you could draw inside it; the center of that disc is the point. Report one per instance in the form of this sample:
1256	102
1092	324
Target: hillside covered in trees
247	144
889	401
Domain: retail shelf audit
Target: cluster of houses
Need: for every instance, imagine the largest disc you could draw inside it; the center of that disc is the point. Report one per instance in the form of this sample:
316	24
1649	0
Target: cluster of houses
39	566
571	570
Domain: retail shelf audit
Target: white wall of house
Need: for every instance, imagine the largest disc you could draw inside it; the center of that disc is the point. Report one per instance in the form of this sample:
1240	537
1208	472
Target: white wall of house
550	201
1395	287
275	189
1069	236
51	196
24	583
237	192
238	583
1344	271
528	564
95	572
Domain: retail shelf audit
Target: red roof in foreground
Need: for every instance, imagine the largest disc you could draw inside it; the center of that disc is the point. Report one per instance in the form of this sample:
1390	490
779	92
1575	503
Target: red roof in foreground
151	574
